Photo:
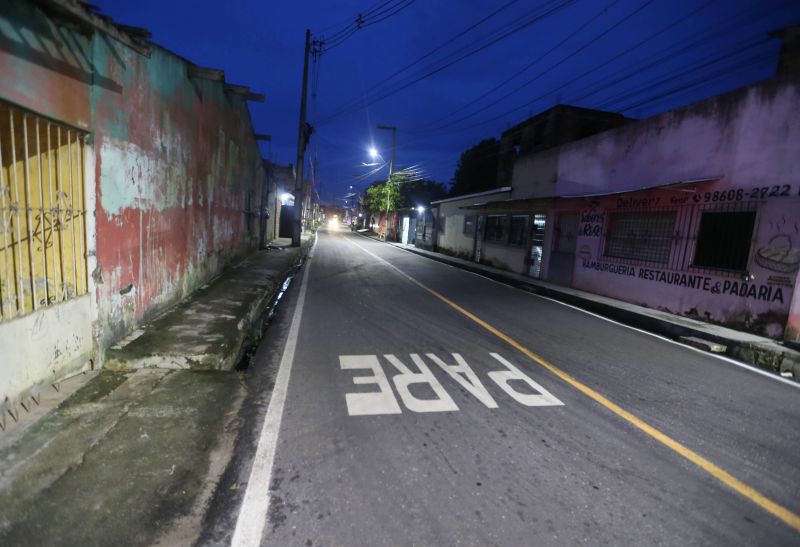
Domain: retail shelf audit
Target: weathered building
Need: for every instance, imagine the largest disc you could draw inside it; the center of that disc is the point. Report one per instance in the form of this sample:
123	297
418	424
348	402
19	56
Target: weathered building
458	223
130	177
695	211
553	127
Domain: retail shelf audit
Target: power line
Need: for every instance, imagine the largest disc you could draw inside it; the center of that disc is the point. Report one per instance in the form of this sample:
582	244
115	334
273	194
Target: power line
723	71
444	44
379	13
547	70
627	71
370	10
397	10
433	124
433	69
705	62
580	76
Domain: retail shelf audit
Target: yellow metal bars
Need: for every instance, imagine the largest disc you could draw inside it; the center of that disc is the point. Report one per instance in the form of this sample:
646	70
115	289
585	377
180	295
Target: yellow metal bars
41	198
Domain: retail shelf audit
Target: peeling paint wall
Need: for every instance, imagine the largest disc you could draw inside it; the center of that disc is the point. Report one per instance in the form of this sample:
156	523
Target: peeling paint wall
44	67
179	177
173	180
748	141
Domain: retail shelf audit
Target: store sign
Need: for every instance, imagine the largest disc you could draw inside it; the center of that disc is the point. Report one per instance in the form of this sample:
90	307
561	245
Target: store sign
731	287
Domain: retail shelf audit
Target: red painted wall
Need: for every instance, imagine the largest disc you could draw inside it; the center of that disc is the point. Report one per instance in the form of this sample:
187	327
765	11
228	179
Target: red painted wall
177	169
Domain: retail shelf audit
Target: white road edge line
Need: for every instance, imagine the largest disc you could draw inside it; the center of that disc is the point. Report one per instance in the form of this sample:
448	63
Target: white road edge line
745	366
255	505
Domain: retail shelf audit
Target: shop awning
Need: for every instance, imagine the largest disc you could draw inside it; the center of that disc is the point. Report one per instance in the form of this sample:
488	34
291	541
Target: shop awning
686	185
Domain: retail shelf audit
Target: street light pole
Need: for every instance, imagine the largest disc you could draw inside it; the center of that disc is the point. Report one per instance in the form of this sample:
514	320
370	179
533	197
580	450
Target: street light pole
391	171
302	141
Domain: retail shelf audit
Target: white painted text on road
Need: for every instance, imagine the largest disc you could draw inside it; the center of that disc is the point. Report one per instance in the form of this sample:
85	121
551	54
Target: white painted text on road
383	400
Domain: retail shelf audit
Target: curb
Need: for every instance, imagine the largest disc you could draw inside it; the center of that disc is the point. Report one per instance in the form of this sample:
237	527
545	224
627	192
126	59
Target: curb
255	320
768	355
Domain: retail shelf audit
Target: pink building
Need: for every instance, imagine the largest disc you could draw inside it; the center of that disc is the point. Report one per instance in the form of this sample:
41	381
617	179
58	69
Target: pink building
695	211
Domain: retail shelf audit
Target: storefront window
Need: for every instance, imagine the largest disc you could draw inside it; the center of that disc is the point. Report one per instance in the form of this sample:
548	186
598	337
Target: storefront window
519	227
497	228
723	240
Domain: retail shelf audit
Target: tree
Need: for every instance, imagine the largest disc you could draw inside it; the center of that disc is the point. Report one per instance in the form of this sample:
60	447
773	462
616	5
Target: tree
375	196
476	170
403	192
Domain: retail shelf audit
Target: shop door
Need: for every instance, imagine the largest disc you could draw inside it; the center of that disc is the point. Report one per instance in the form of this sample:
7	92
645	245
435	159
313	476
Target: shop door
479	224
537	245
404	240
562	259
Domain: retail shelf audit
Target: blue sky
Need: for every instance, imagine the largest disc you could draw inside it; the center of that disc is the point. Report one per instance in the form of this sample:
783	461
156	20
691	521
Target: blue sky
638	57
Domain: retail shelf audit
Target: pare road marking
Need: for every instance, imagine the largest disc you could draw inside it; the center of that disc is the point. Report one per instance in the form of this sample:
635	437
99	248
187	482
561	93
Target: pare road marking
383	401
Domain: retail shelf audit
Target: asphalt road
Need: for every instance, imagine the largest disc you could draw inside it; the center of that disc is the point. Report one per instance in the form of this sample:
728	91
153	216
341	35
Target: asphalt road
425	405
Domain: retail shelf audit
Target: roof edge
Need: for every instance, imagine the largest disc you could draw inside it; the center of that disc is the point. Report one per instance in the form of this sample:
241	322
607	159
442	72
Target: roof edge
475	195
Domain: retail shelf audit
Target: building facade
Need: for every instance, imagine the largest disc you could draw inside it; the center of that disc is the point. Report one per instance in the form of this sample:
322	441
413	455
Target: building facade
695	211
130	177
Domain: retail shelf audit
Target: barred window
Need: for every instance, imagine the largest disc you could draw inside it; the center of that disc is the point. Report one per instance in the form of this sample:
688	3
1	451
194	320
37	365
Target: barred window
723	240
469	224
519	228
42	213
641	236
496	228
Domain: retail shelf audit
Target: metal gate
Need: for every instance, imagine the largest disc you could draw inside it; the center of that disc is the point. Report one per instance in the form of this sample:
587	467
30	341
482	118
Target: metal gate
42	212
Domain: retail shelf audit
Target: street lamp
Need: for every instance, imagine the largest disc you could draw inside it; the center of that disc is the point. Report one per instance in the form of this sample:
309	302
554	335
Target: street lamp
373	152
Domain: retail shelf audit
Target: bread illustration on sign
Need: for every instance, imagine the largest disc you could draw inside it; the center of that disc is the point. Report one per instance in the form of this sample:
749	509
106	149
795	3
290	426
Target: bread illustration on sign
778	255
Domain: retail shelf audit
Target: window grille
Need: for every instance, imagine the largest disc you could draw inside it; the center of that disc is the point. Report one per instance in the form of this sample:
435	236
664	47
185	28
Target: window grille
496	228
641	236
723	240
518	229
42	213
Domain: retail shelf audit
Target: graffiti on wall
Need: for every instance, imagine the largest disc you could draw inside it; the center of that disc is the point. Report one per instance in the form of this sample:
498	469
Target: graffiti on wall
592	222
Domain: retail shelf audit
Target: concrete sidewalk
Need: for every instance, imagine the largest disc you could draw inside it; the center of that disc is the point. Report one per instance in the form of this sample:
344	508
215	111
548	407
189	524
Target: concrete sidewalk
131	456
759	351
207	331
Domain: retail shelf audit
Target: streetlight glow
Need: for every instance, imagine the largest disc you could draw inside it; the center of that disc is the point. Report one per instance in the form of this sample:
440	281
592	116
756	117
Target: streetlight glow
373	152
420	209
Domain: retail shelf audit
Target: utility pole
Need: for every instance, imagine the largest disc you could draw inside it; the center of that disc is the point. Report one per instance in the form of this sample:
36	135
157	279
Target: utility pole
391	171
302	140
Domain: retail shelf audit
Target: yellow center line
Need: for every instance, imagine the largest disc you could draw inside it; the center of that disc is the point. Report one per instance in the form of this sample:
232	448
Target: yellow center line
781	512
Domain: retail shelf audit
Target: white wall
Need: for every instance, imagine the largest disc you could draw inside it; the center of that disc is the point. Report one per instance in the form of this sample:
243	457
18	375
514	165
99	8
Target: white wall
749	136
454	241
45	346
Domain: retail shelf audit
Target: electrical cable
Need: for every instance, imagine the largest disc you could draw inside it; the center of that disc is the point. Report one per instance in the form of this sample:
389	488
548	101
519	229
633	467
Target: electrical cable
546	71
705	62
434	123
433	69
628	71
578	77
372	17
